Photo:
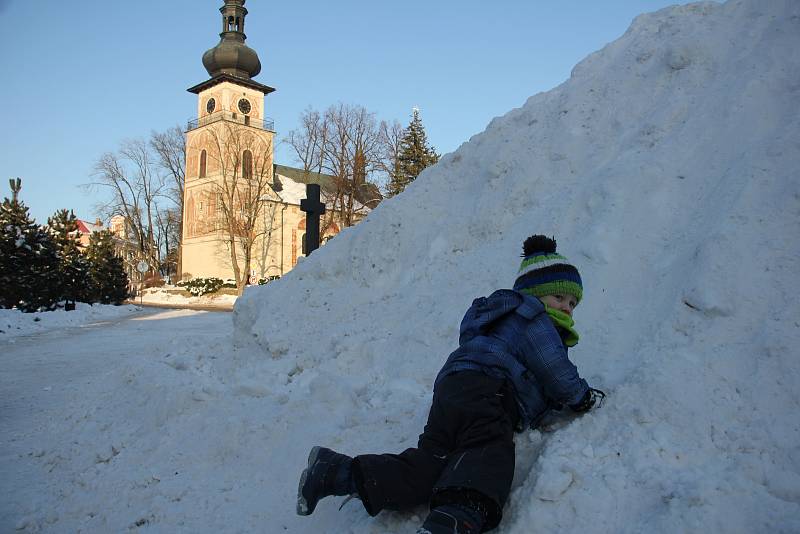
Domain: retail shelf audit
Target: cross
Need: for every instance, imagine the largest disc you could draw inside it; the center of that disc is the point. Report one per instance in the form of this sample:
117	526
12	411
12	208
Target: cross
313	209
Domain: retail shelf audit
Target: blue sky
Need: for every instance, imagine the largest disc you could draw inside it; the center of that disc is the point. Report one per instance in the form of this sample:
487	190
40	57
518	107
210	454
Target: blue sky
81	77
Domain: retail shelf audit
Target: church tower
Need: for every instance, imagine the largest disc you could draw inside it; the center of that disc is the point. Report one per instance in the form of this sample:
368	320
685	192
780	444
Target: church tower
230	140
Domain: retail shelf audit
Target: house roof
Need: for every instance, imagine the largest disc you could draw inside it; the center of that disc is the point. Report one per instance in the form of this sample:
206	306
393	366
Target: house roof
85	227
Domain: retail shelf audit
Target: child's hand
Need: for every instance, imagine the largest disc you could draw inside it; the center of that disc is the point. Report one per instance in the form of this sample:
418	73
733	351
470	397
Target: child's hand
588	401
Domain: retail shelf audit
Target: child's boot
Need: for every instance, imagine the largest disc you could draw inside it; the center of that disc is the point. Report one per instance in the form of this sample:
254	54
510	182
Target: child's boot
452	519
328	473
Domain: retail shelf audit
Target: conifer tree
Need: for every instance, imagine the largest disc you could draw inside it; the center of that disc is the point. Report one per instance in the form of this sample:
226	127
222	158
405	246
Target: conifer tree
73	272
415	155
106	270
28	261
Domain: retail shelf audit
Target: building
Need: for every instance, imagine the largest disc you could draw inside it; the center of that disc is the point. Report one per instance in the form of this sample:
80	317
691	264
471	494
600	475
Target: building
234	194
123	246
86	230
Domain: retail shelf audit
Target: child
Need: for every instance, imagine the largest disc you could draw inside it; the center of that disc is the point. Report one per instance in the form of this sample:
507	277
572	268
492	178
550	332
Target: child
510	369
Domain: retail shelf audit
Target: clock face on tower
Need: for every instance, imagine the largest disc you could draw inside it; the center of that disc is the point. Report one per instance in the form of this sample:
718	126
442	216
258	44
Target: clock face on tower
244	106
210	105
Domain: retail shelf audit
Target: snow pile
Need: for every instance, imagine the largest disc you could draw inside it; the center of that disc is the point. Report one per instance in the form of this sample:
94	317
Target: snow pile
170	295
667	168
14	323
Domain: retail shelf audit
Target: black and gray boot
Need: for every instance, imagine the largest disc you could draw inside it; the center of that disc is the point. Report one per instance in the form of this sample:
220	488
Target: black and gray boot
452	519
328	473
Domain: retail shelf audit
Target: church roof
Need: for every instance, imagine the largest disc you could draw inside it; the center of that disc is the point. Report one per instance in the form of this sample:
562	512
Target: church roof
368	194
305	177
231	59
290	191
211	82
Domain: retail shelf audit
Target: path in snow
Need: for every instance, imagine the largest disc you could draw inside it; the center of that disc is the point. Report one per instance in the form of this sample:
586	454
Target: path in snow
48	379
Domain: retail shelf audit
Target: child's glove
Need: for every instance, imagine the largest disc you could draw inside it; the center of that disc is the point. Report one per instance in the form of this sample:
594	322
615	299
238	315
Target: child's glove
589	400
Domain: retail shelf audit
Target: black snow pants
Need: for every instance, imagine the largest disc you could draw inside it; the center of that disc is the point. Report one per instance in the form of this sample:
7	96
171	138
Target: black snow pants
465	455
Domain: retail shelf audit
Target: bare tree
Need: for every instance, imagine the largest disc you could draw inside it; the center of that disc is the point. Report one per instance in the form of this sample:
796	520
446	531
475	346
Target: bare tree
168	222
244	160
169	147
309	141
338	159
146	182
270	231
345	143
391	139
135	190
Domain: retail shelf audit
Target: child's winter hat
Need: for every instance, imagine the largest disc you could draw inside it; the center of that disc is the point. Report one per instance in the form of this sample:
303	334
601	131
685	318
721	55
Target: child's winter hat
544	272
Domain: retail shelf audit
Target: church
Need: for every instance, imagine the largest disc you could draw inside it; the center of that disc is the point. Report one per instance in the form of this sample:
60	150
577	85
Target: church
241	211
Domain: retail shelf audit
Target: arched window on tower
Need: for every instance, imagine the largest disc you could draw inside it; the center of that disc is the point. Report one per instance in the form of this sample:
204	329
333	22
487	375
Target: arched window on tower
247	164
202	173
231	24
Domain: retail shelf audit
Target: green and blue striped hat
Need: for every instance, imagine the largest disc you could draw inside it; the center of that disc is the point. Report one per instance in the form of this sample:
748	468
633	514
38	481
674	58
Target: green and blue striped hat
545	272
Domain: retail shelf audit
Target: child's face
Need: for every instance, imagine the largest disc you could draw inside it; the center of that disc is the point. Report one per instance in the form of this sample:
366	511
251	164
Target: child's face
565	303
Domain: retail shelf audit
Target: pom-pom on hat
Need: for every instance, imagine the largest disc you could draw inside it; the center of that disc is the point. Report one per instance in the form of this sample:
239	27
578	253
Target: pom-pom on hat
545	272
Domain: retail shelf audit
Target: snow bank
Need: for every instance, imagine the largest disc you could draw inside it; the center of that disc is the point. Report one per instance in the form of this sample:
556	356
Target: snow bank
14	323
170	295
666	166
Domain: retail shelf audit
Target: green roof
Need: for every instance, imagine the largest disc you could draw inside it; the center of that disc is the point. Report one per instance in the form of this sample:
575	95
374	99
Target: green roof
369	194
305	177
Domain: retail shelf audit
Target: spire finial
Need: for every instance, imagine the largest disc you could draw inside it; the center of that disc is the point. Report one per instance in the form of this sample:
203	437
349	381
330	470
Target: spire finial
16	185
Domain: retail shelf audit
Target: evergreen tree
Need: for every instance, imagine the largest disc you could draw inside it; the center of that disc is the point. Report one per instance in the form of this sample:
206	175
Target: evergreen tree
28	261
73	272
415	155
106	270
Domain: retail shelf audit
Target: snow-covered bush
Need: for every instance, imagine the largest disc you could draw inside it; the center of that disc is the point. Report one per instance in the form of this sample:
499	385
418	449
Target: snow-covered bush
202	286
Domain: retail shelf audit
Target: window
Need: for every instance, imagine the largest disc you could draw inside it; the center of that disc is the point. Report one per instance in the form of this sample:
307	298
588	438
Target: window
202	173
247	164
233	24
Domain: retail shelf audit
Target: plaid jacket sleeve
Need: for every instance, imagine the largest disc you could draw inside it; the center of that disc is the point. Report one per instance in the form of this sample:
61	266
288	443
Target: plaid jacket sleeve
544	355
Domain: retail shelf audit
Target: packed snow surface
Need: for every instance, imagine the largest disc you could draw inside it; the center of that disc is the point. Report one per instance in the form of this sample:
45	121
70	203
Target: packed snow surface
14	323
666	167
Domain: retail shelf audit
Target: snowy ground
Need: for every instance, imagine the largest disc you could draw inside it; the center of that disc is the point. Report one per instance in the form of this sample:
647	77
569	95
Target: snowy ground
666	166
84	407
14	323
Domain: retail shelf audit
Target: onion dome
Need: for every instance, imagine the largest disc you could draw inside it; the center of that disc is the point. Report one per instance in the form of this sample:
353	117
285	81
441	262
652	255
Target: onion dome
231	56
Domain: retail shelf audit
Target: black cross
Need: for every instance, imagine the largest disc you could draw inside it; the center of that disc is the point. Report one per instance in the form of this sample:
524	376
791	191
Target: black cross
314	209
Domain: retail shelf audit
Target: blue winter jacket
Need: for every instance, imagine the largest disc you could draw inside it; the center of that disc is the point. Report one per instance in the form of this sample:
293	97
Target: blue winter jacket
509	335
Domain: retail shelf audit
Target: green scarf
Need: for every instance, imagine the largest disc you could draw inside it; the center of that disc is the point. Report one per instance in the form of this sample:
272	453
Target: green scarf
565	326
